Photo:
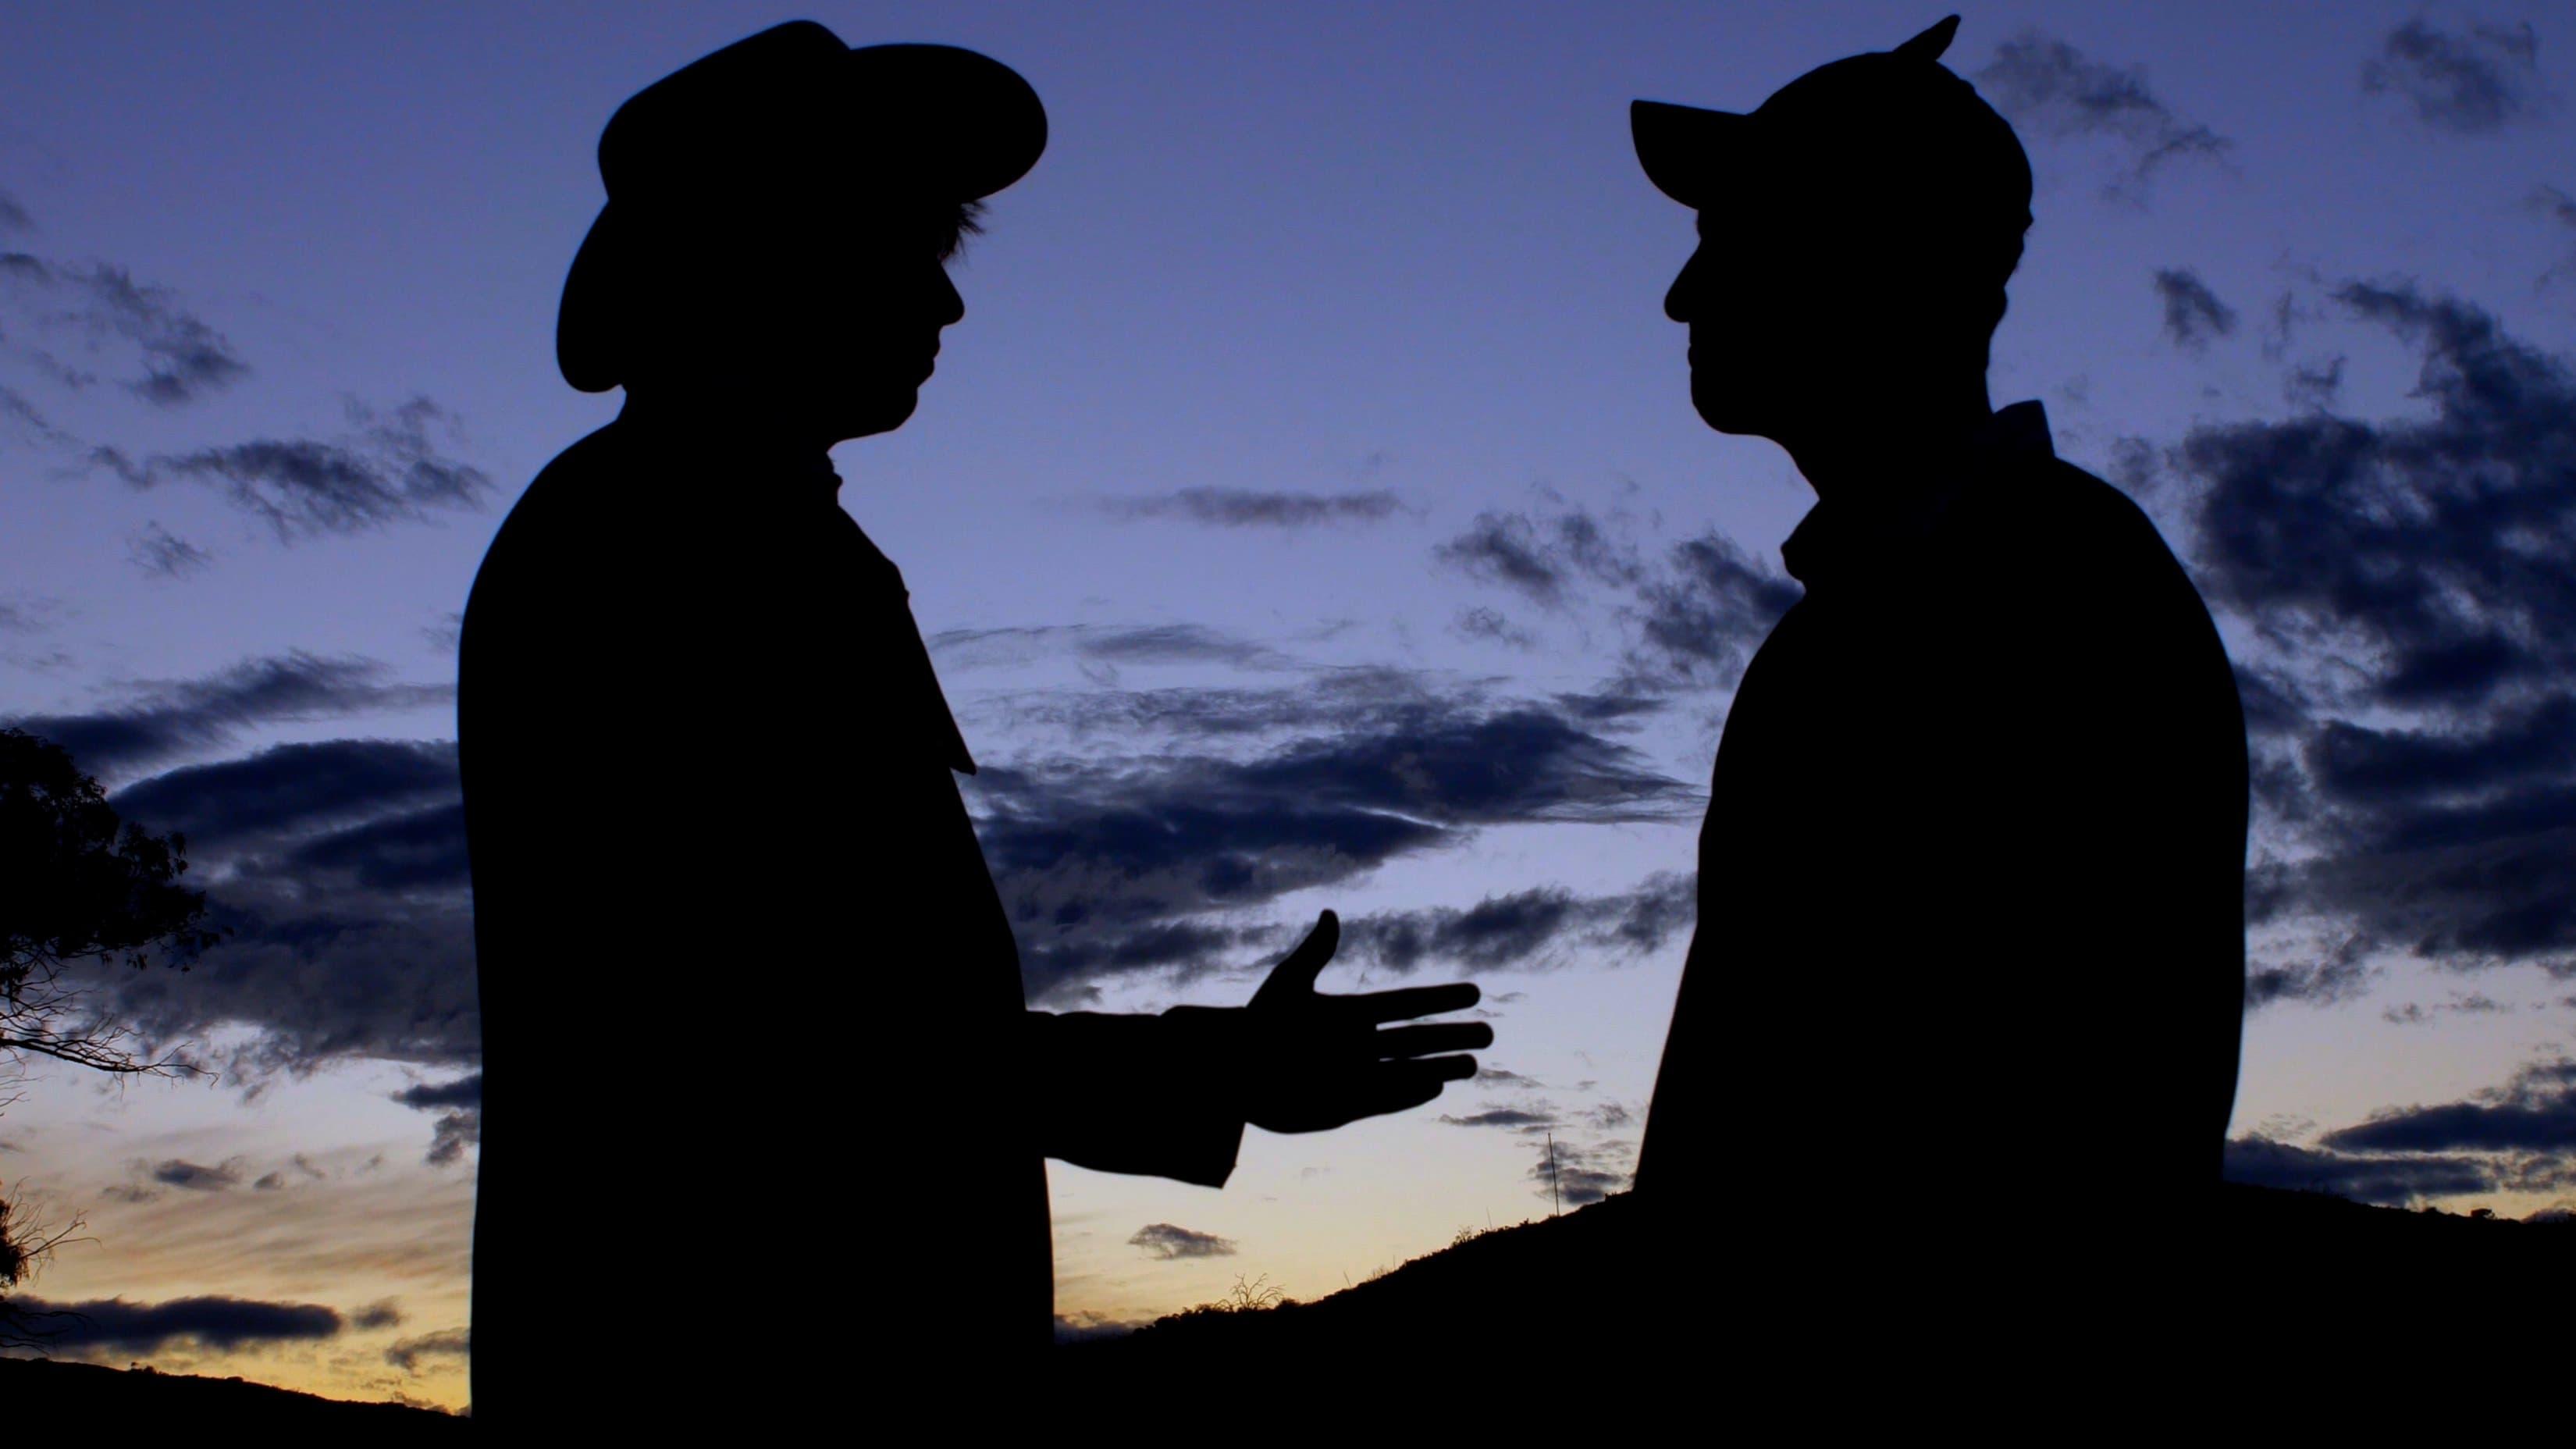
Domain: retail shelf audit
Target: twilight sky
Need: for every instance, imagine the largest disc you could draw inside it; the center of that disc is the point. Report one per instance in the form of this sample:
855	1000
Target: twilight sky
1312	487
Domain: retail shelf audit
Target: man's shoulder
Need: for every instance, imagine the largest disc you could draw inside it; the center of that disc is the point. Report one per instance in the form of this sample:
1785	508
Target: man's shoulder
2049	519
567	556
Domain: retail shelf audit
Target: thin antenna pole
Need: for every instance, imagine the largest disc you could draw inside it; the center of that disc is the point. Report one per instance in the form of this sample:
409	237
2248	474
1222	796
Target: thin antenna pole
1555	1200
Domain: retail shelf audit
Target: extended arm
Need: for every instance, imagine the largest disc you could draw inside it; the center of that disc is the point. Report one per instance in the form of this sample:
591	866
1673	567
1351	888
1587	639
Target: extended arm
1169	1095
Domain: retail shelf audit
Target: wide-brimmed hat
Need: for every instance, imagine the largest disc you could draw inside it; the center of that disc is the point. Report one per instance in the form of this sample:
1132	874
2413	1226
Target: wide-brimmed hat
769	121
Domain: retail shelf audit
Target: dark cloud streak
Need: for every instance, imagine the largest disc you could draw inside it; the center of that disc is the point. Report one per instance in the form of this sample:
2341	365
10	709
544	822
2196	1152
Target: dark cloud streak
2469	82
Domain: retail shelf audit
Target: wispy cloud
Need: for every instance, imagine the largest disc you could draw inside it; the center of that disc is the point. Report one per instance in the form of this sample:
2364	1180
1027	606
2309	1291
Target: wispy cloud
1246	508
2471	81
2047	86
182	358
2193	313
1695	612
163	554
389	469
159	719
1167	1242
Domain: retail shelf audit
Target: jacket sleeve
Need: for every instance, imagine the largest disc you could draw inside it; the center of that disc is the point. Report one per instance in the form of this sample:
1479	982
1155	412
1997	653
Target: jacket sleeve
1154	1095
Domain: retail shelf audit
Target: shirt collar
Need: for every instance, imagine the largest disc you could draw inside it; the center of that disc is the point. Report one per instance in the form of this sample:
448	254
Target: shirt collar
1840	540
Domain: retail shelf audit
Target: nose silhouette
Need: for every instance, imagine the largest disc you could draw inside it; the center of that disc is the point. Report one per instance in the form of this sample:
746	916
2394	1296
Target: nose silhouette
950	306
1677	301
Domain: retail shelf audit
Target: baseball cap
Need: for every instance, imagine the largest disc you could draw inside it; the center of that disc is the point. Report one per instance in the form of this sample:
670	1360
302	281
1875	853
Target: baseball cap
1884	127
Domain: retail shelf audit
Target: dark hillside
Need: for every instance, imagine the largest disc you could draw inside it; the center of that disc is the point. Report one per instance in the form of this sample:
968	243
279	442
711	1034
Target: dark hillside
2283	1280
37	1395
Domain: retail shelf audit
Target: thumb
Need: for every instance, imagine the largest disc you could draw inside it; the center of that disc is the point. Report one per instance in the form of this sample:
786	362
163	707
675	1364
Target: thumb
1295	977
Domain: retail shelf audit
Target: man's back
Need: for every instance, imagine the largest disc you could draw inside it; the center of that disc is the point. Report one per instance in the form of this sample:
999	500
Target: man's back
1970	941
710	815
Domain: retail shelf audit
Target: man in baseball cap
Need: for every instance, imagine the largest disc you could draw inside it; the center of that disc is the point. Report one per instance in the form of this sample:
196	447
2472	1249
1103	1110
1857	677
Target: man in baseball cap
725	886
1969	968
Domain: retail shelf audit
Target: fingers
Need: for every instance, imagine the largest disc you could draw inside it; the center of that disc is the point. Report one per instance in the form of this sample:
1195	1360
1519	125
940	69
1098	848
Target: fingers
1376	1007
1423	1041
1295	977
1402	1086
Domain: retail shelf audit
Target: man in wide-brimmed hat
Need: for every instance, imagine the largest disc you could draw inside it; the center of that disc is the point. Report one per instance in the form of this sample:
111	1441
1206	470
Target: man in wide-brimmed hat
725	887
1969	968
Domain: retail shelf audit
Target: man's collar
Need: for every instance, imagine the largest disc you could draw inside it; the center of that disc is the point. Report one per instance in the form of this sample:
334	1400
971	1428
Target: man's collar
1840	539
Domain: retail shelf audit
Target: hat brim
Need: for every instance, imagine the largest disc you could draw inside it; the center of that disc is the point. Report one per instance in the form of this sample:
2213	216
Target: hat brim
1685	149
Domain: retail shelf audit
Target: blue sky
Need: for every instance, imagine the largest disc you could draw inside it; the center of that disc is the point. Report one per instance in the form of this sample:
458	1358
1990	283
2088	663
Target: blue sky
1394	261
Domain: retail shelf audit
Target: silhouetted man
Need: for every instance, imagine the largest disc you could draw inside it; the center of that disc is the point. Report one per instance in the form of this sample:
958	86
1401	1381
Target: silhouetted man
1969	966
763	1100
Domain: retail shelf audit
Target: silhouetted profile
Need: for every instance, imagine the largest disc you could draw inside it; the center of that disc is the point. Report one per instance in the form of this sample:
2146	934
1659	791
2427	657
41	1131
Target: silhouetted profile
737	941
1969	969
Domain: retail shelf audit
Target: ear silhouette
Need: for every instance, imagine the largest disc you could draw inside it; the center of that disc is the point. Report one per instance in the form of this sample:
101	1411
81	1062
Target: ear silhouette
1930	44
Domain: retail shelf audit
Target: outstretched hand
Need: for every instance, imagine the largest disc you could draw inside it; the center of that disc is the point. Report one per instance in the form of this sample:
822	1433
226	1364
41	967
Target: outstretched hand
1319	1061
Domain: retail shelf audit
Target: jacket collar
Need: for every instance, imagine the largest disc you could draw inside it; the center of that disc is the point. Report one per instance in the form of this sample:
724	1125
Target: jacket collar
1842	541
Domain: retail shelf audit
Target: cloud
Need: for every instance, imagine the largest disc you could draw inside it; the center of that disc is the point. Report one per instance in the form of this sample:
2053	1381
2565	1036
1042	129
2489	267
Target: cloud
195	1177
428	1096
2262	1162
1694	615
382	1314
271	1181
339	867
1700	618
2518	1137
1540	559
388	470
2193	313
1112	645
446	1343
294	788
460	1107
323	972
1083	1327
1117	864
1525	928
1480	622
163	554
1166	1242
182	358
164	718
2341	978
446	635
2534	1112
28	614
2468	82
14	217
2048	86
1514	1118
2557	206
1243	508
213	1322
24	418
2408	577
1577	1173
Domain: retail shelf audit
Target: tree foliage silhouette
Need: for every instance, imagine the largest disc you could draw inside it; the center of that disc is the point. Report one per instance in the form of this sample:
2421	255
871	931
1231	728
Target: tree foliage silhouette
84	887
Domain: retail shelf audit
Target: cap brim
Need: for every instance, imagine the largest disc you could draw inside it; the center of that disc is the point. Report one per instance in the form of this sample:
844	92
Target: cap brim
1683	148
588	350
966	124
